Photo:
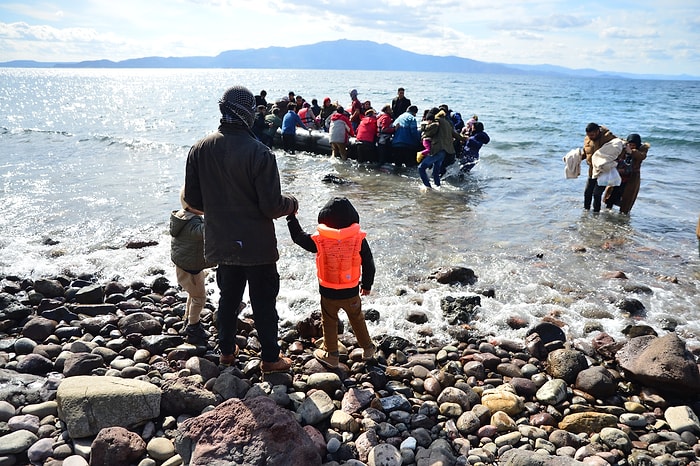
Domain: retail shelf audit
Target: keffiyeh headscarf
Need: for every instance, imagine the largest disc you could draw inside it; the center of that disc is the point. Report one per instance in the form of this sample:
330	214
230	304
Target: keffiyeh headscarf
237	104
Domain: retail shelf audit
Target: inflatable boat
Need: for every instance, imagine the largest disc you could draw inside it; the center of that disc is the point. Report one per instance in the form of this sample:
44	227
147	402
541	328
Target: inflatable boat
314	141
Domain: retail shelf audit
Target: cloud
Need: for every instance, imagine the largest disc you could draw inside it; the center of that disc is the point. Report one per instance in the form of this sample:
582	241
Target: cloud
525	35
23	31
625	33
544	23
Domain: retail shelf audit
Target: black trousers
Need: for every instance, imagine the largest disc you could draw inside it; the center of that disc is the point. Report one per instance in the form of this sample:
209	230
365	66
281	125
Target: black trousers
593	193
263	287
289	142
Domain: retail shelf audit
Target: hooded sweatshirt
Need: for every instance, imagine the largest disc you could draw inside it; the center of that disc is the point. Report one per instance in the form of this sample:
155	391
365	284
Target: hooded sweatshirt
340	129
338	213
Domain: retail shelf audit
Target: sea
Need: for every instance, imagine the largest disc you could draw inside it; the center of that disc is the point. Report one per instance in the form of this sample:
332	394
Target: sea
94	159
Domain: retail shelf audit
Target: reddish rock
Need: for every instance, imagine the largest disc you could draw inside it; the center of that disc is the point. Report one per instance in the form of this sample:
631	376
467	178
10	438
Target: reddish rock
663	363
116	445
246	432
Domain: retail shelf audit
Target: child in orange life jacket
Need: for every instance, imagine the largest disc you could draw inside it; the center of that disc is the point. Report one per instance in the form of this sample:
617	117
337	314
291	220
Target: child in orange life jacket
345	269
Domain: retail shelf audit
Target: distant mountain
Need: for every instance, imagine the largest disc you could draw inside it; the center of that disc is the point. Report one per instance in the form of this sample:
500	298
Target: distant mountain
335	55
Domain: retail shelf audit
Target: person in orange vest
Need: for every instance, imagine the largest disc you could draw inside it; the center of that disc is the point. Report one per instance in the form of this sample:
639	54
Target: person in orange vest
345	270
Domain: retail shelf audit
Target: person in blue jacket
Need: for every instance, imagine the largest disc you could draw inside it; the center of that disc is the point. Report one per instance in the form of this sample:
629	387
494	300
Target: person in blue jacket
406	141
289	128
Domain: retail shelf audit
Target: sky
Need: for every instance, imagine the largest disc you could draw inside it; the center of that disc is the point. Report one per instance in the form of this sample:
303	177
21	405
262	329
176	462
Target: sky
635	36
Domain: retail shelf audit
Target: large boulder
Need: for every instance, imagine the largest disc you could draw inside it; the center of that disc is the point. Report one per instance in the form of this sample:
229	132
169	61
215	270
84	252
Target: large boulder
246	432
87	404
663	363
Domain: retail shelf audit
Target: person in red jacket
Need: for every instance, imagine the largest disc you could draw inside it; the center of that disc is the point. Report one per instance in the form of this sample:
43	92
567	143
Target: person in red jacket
366	137
345	269
385	131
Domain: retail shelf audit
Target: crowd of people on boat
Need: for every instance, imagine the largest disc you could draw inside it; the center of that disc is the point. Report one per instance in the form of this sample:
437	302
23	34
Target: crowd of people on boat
393	136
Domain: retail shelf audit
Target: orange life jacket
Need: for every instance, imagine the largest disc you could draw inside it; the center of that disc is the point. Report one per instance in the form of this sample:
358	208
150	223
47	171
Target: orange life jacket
338	260
307	116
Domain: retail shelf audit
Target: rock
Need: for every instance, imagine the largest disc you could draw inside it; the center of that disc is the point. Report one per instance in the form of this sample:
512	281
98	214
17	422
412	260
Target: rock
586	422
158	344
202	366
384	454
356	399
6	411
91	294
460	310
518	457
344	422
16	442
81	364
24	422
39	328
141	323
49	288
639	330
632	307
246	432
20	389
185	395
417	316
597	381
160	448
682	419
88	404
34	364
552	392
502	398
316	407
60	313
566	364
116	445
616	439
606	346
230	386
663	363
458	275
329	382
455	395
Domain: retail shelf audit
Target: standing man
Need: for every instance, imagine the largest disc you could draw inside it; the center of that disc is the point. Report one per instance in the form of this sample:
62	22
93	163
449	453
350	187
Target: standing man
289	128
233	178
400	103
596	136
406	139
356	110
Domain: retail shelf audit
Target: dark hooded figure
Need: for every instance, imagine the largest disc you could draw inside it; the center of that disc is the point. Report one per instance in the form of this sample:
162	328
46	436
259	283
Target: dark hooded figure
345	270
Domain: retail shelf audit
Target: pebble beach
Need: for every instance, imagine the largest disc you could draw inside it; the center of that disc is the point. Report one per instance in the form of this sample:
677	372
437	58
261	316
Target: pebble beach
98	373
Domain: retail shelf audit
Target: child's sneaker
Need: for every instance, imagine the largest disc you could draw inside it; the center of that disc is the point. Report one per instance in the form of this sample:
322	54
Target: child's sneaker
195	334
419	156
329	360
368	353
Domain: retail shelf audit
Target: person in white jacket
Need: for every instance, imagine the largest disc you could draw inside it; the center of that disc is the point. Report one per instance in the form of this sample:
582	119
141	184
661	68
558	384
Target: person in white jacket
339	133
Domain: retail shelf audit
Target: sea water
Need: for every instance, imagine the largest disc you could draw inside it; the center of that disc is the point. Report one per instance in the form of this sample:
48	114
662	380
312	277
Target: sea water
93	159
